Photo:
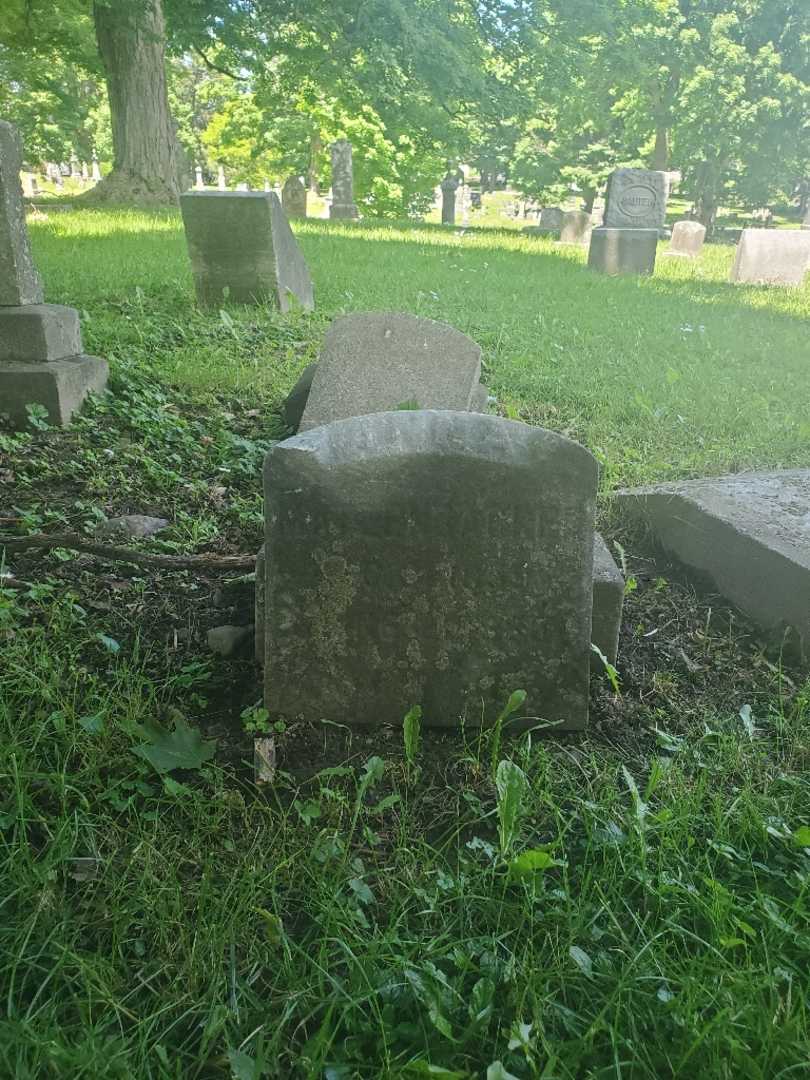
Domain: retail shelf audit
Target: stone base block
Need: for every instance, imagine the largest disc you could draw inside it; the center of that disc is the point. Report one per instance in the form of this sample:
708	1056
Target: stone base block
61	386
39	333
608	599
623	251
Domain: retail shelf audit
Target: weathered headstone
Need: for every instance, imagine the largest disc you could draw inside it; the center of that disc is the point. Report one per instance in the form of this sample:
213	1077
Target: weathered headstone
549	223
380	360
41	359
747	534
28	185
343	204
434	558
635	209
294	198
198	178
687	239
95	170
576	227
772	257
221	185
449	187
242	249
475	199
636	199
608	600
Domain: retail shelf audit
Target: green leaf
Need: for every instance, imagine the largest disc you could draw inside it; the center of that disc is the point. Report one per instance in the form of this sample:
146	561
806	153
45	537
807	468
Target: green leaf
437	1072
496	1071
530	862
94	725
511	783
243	1066
110	644
182	748
802	836
581	959
361	891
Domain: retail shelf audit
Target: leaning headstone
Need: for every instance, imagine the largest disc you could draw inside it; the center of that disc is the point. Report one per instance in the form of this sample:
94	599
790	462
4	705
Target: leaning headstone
576	227
772	257
343	204
381	360
449	187
636	199
243	249
41	359
687	239
435	558
747	534
294	198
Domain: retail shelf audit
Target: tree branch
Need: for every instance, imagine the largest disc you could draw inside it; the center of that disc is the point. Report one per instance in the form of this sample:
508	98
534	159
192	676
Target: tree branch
215	67
116	553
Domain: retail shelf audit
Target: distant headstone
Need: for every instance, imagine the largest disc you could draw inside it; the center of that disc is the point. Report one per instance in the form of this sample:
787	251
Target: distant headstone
19	281
449	187
75	171
549	222
343	205
198	178
41	359
267	185
379	360
294	198
623	251
748	534
85	172
576	227
636	199
95	170
772	257
435	558
243	186
28	185
221	185
687	239
242	249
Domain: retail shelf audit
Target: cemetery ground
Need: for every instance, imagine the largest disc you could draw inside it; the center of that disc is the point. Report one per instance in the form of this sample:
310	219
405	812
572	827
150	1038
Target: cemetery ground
384	907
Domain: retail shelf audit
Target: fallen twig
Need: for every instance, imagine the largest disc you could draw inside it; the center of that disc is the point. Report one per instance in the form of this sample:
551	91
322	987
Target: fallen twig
117	553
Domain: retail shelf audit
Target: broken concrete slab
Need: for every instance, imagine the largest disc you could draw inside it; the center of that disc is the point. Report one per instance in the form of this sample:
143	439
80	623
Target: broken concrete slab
608	600
748	535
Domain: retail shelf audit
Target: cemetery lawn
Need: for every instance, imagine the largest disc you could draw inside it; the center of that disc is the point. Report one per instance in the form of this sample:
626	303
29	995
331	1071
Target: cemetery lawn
644	912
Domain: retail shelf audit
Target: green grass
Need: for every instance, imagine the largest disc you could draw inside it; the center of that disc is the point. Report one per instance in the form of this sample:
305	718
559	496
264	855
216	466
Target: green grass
368	915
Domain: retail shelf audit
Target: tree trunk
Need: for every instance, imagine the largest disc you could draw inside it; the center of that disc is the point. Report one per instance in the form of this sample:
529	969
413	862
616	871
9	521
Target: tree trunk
131	41
660	159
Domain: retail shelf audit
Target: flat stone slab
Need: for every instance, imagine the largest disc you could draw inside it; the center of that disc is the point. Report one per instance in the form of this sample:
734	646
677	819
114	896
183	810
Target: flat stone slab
377	361
39	332
61	386
242	249
748	535
608	601
19	281
623	251
422	557
772	257
635	199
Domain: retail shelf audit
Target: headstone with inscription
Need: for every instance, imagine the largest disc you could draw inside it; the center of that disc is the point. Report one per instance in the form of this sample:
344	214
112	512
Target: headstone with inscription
243	249
635	210
294	198
399	548
41	358
343	204
772	257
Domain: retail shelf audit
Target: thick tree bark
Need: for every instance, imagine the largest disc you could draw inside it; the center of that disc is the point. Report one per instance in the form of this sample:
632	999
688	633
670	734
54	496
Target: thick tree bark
131	39
660	158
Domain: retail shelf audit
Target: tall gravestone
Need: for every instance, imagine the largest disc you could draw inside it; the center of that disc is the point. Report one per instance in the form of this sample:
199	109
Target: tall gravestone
377	361
243	249
343	204
687	239
294	198
635	210
423	557
772	257
41	358
449	187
